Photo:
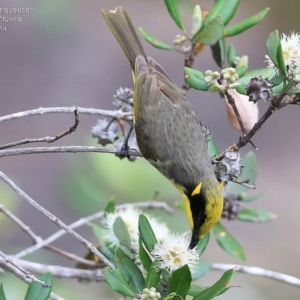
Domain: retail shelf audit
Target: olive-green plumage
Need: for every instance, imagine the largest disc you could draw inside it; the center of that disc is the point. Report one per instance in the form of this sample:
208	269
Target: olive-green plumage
169	134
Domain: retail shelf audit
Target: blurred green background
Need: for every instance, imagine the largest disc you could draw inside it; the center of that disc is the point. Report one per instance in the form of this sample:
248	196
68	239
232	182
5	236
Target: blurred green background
62	54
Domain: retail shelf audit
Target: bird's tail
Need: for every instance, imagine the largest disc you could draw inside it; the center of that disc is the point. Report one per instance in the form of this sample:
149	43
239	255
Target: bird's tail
124	30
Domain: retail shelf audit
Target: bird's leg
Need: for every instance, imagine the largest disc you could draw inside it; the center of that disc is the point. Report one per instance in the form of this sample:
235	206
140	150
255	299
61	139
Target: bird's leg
124	152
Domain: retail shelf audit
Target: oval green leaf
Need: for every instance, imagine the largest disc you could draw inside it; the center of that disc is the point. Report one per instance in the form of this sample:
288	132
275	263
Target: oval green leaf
245	24
146	232
264	73
218	52
225	9
272	43
242	66
211	32
217	288
201	246
155	42
255	215
231	55
180	281
195	79
118	282
121	232
36	291
143	255
130	271
174	13
227	242
153	276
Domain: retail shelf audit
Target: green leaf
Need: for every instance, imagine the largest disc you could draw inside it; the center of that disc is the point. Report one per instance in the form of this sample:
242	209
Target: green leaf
249	171
255	215
155	42
153	276
99	233
201	246
195	79
210	33
212	147
197	18
272	43
130	271
218	52
264	73
277	80
180	281
110	206
146	232
217	288
246	198
121	232
241	90
242	66
2	294
118	282
280	60
174	13
202	268
172	296
231	56
227	242
195	289
225	9
143	255
245	24
216	89
36	291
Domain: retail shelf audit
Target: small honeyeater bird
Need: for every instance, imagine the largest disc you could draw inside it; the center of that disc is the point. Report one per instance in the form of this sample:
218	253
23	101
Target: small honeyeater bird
169	134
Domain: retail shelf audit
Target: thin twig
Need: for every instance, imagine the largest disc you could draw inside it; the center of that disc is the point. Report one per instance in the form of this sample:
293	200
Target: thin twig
36	239
13	270
83	221
46	139
55	220
58	271
73	257
28	275
64	149
81	110
257	271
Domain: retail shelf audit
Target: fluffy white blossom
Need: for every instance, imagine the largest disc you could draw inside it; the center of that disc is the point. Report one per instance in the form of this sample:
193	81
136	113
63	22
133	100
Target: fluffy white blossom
130	217
172	253
290	45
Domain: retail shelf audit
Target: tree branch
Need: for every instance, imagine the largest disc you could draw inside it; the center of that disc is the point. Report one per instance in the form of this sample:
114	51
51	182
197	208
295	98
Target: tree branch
81	110
64	149
57	271
55	220
257	271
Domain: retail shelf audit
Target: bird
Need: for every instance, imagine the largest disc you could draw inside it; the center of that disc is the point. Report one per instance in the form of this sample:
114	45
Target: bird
169	133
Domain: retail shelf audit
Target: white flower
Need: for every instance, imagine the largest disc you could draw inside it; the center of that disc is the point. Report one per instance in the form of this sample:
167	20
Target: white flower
172	253
291	53
130	216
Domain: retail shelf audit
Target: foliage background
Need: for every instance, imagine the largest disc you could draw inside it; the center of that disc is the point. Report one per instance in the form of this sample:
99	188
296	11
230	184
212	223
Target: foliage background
62	54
